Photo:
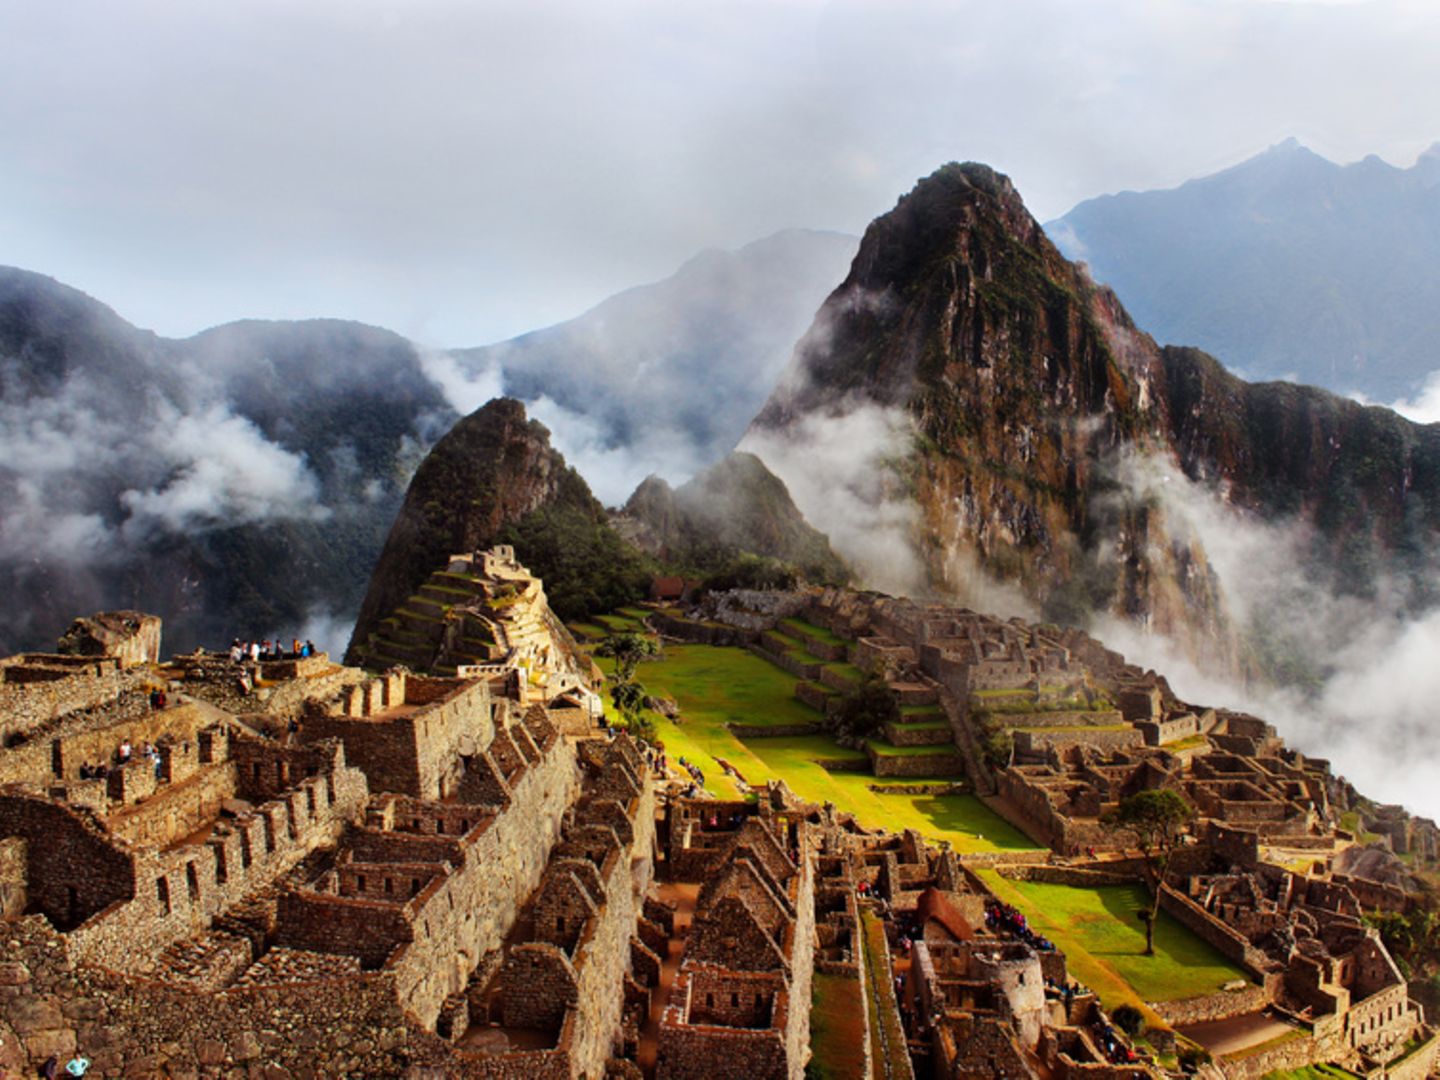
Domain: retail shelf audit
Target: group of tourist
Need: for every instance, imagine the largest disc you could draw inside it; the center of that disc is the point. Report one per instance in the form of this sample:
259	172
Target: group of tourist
1111	1044
266	649
124	754
694	771
1003	917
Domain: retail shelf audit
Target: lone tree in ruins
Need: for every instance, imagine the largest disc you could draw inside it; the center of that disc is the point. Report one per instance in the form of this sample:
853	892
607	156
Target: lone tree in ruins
1159	820
627	650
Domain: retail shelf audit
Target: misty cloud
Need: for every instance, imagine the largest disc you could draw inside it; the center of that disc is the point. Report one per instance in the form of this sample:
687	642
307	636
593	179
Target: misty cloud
286	136
220	469
1366	665
611	468
1423	408
843	474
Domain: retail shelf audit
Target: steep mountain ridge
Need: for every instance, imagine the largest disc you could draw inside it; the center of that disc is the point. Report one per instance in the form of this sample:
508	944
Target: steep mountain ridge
1027	389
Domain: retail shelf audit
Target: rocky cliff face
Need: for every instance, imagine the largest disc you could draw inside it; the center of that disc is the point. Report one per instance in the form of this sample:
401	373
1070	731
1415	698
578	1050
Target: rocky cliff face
494	478
1028	395
735	506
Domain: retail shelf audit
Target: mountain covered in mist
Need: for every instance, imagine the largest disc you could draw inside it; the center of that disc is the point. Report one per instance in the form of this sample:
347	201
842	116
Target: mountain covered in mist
495	478
664	378
238	482
243	481
737	505
1286	266
1001	431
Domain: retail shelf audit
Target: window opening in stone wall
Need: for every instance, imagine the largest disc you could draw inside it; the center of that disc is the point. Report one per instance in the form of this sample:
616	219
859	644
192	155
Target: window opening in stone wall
709	1001
192	882
310	800
280	773
245	849
269	833
255	772
414	886
389	886
360	882
734	1001
162	890
221	874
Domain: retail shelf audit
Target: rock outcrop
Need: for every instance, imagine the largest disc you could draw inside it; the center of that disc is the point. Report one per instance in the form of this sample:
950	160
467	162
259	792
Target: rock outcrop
490	471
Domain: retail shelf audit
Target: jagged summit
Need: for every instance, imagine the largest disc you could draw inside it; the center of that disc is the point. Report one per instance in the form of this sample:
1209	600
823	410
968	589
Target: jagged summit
1028	392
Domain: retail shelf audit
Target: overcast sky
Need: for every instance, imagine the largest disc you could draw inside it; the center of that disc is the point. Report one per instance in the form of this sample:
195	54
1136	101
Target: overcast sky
465	171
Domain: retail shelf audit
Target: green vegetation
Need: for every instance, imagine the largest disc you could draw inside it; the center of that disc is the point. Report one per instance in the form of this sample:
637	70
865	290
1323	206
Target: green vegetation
1413	939
1158	820
997	743
626	693
810	630
837	1029
719	686
865	708
1311	1072
584	563
1101	932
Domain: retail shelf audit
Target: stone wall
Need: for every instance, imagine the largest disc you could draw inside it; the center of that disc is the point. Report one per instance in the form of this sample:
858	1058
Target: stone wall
1221	1005
1205	926
27	708
136	1027
178	890
1032	742
916	764
73	871
412	752
702	633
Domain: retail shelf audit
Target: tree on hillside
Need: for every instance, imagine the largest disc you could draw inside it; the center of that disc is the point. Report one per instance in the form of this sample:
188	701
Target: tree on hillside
867	707
627	650
1158	820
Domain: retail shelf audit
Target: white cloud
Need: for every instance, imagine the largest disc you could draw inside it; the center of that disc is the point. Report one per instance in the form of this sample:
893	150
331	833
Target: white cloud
220	468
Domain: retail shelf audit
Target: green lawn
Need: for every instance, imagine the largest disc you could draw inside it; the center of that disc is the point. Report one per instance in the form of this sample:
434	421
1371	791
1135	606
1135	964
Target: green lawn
1311	1072
837	1028
715	686
819	633
1103	922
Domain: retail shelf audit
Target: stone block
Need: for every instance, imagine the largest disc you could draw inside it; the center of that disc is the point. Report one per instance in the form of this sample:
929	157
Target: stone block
29	1013
58	1041
244	1046
209	1051
14	973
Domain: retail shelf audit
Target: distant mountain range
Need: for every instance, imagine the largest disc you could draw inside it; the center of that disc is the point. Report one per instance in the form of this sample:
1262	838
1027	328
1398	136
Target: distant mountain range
667	376
1286	266
243	481
238	482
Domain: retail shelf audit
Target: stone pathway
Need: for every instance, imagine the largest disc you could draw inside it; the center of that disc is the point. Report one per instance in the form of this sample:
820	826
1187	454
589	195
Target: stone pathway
684	897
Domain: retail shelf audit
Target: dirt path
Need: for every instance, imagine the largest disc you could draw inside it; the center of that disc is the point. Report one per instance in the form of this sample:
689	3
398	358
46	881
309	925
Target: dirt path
1237	1032
684	897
